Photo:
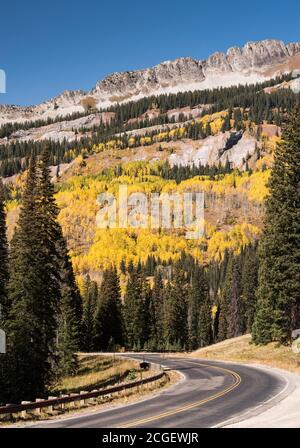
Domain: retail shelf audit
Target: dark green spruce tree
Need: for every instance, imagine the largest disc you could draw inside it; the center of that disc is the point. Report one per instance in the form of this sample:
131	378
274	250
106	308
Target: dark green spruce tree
225	299
135	309
3	259
33	302
231	311
205	334
199	321
236	310
41	284
157	312
176	309
278	300
205	317
69	337
3	285
249	285
90	300
108	318
59	279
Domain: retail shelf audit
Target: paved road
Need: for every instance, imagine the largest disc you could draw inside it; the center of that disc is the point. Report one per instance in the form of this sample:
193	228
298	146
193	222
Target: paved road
211	393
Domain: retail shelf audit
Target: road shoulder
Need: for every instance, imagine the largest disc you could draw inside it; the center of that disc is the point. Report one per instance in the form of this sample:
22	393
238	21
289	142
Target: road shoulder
280	411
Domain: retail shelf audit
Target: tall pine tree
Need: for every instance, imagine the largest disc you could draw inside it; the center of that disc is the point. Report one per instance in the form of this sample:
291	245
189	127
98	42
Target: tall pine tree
176	308
135	309
90	300
69	338
3	283
41	289
198	310
59	279
277	313
157	312
31	323
235	306
225	299
108	319
249	285
3	259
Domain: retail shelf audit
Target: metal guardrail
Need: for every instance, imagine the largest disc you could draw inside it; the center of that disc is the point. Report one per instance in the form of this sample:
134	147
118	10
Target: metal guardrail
56	401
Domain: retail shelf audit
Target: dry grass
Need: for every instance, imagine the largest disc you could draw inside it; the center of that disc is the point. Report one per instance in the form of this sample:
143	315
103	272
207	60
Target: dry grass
242	350
96	371
126	397
98	368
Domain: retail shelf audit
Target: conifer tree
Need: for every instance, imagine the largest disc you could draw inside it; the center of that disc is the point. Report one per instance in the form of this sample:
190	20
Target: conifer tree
108	319
277	313
204	330
3	260
59	280
123	266
51	244
41	291
235	302
90	299
69	338
226	126
205	323
225	299
249	285
3	284
146	294
195	300
157	311
31	324
135	307
176	328
130	267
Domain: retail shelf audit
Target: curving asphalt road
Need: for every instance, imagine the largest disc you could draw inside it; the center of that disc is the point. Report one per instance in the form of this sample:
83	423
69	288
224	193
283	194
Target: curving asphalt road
211	393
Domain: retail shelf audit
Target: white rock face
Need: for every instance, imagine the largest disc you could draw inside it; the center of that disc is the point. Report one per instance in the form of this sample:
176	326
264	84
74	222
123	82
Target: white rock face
295	85
60	130
239	152
212	150
237	66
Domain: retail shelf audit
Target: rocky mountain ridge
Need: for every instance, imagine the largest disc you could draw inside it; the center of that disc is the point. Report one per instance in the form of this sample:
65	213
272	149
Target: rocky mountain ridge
255	62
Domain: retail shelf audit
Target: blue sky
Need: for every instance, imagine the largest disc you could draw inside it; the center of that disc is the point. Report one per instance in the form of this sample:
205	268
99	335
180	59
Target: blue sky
47	47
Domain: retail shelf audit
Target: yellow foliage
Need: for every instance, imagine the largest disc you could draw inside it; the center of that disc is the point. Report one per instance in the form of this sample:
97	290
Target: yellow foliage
131	141
92	248
145	140
253	187
215	120
214	310
239	236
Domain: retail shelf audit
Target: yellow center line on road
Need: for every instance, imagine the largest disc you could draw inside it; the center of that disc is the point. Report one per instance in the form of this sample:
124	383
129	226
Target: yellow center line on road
187	407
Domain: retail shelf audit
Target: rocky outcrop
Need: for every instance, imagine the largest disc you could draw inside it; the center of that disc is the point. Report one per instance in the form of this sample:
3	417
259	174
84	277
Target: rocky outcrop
234	147
253	57
254	62
68	130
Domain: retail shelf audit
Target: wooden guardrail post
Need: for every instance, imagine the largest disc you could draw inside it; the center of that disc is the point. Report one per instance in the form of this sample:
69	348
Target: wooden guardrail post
38	410
51	407
24	413
82	402
7	416
72	399
63	405
94	399
73	403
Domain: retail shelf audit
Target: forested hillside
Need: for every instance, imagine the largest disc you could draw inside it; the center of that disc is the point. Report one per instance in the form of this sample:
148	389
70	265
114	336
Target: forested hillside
68	285
242	107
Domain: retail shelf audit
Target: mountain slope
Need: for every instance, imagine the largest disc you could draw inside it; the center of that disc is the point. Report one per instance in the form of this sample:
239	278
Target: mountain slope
255	62
241	349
